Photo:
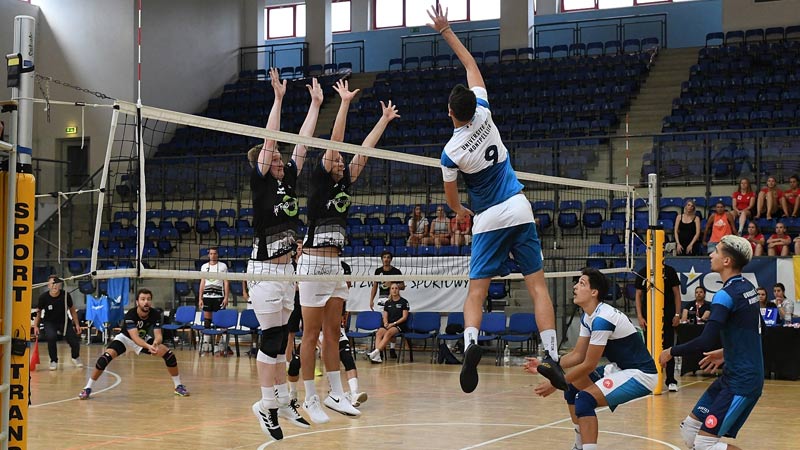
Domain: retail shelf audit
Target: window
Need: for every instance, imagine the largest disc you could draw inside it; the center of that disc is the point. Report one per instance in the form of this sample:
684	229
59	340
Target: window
578	5
582	5
340	16
414	13
285	21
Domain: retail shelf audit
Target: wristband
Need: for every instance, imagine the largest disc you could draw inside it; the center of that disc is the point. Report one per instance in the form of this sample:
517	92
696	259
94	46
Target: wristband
444	29
677	315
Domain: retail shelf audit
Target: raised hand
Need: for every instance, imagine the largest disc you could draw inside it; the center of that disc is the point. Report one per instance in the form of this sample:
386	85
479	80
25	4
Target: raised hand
439	20
342	87
277	86
389	111
315	90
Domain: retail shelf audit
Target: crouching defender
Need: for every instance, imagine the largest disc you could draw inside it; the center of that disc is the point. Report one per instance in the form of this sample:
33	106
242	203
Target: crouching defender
605	331
140	334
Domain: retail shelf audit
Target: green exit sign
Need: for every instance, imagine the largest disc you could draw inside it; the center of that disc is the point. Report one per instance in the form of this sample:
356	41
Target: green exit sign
71	130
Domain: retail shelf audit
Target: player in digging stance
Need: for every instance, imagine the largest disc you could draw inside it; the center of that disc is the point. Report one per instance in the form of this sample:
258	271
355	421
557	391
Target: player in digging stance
503	220
141	334
275	223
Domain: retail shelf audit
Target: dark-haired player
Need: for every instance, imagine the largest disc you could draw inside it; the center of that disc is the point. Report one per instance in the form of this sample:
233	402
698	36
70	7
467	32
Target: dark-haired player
141	334
503	220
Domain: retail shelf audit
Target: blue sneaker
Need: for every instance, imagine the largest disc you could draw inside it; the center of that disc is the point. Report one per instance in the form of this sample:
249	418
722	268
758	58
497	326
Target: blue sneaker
182	391
85	393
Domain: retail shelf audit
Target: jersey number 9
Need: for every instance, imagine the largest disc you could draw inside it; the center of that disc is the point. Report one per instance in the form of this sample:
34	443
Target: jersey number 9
491	154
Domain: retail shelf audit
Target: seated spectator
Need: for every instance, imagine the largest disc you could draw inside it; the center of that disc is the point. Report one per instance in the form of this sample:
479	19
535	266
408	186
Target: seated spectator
440	229
797	245
719	224
785	305
395	320
778	243
417	227
755	238
768	199
763	301
461	230
789	202
744	201
687	231
698	311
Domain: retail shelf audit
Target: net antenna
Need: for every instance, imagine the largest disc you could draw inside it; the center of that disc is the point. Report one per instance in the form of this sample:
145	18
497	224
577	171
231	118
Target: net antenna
155	128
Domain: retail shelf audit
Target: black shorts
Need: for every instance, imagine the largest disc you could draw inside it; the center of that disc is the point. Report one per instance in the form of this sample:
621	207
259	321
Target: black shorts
212	304
297	315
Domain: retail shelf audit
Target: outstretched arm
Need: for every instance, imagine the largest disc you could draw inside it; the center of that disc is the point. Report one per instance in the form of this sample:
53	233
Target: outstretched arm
337	135
442	26
358	162
274	121
299	154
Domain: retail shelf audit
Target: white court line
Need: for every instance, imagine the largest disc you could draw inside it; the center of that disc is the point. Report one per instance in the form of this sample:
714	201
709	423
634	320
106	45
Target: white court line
605	408
116	383
673	447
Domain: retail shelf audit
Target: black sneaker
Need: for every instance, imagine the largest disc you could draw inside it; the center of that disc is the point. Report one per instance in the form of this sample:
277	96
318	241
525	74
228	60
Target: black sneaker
550	369
392	353
268	421
469	368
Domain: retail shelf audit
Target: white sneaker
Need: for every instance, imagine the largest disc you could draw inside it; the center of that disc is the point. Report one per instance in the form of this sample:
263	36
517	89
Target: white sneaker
357	399
293	394
375	357
268	421
673	387
314	410
289	412
53	365
341	405
77	362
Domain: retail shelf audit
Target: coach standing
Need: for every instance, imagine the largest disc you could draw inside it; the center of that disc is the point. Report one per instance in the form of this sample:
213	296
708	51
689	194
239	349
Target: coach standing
52	309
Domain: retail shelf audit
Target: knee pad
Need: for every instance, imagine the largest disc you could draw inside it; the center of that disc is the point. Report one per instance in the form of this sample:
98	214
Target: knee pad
271	342
102	361
170	359
118	347
585	404
708	443
294	366
689	428
347	358
570	393
284	340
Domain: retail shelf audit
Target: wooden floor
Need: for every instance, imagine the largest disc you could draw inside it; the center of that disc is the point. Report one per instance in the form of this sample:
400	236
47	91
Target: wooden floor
411	405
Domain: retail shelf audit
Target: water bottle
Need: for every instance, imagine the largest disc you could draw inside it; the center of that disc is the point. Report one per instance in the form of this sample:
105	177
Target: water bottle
507	356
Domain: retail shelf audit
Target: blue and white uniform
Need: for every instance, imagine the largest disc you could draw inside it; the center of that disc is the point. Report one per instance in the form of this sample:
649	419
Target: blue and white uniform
736	314
503	222
631	372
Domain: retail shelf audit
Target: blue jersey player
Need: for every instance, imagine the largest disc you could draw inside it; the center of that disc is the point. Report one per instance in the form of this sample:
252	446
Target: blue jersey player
503	221
605	332
736	319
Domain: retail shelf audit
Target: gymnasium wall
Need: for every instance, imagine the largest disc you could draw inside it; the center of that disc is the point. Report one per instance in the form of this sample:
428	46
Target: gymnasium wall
743	14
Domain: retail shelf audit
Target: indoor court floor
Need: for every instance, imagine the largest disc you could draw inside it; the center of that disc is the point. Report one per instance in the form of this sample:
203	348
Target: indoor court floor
411	405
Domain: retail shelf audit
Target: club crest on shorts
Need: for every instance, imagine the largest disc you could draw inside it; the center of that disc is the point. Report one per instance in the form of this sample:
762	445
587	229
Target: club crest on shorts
608	383
711	421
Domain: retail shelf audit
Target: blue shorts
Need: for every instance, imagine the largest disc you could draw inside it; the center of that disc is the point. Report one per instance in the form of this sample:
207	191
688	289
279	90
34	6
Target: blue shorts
721	411
490	251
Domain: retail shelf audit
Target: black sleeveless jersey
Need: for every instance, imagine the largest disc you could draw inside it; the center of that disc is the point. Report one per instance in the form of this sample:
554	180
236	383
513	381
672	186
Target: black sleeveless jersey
275	213
328	203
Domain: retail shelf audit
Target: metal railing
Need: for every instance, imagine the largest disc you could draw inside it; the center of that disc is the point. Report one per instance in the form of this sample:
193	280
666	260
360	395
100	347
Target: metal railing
249	56
433	40
337	48
618	27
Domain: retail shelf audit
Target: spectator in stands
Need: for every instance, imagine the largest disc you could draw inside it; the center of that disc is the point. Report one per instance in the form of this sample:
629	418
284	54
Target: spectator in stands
785	305
52	311
744	201
382	289
417	227
213	294
789	201
687	231
797	245
395	320
755	238
778	243
461	230
671	316
768	199
763	301
440	229
698	311
719	224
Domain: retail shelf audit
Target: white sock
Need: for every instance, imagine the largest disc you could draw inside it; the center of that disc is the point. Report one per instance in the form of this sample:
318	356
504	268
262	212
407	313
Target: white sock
353	382
311	389
283	396
550	343
391	345
335	381
470	335
268	398
589	446
176	380
578	438
292	386
689	429
89	384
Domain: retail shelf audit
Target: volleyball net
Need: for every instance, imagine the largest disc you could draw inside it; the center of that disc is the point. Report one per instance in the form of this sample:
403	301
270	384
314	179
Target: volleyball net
158	216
